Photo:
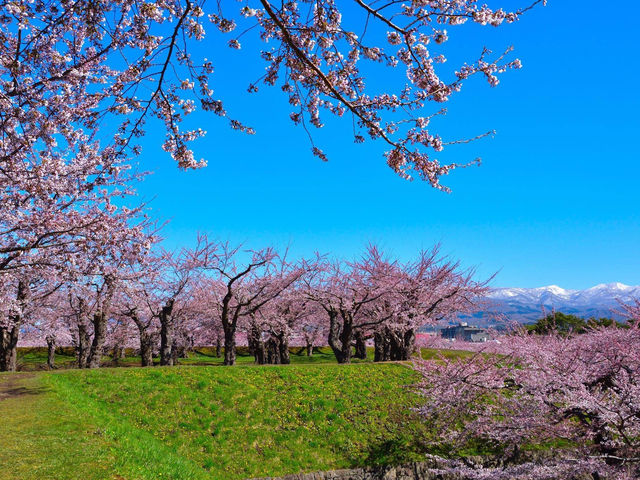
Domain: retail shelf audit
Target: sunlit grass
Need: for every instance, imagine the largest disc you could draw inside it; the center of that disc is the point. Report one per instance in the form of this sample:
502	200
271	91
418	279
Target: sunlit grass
43	437
245	422
193	422
203	421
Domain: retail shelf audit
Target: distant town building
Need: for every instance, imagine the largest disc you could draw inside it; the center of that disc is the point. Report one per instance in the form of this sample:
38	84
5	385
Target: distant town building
465	333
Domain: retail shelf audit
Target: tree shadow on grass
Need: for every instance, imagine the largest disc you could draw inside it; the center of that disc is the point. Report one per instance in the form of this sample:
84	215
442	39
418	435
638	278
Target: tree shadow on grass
13	387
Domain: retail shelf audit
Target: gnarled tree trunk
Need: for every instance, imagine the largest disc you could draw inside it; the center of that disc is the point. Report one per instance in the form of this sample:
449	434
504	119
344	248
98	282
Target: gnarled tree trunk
361	345
100	318
218	347
146	349
229	346
273	351
340	337
395	345
99	337
82	348
166	334
9	346
257	347
9	334
283	345
402	344
382	346
146	339
51	351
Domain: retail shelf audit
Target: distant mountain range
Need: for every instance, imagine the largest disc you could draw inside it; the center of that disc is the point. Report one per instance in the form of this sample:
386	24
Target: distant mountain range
525	305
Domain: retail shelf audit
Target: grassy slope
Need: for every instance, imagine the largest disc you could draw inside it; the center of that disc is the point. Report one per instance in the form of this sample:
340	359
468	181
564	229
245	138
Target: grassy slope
206	422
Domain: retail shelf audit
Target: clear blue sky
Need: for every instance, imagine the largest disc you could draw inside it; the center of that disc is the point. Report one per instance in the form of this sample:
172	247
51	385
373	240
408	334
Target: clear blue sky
556	200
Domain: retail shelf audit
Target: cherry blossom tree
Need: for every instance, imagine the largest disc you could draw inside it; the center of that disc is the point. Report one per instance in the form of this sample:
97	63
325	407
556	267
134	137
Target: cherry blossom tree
75	66
11	319
584	388
140	307
271	328
311	330
30	314
58	210
179	270
631	310
94	276
45	322
384	299
158	299
433	288
348	292
237	284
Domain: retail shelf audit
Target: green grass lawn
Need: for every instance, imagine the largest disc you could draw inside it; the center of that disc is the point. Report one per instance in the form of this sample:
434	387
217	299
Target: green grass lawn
201	422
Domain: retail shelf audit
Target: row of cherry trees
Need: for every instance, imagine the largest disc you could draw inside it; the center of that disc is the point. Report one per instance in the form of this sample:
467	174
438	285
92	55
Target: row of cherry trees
581	387
218	294
80	80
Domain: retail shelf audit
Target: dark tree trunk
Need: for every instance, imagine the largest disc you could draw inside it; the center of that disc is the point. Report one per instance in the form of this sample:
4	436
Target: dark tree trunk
409	344
117	354
273	353
260	352
9	335
51	352
283	344
99	337
309	349
166	334
146	340
340	337
100	319
378	347
229	346
218	347
256	345
361	346
402	344
382	346
176	353
146	349
82	349
9	347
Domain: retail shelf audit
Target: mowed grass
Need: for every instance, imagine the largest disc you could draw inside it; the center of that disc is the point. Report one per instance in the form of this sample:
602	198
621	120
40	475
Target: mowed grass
195	422
43	437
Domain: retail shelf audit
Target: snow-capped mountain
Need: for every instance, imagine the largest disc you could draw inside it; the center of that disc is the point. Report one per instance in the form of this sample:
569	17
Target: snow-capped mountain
527	304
